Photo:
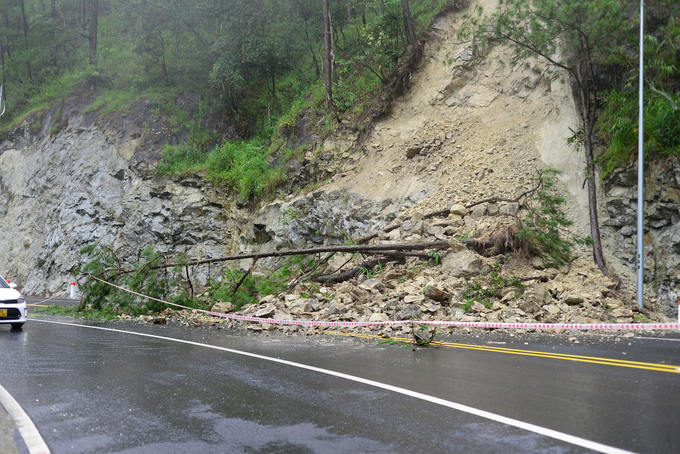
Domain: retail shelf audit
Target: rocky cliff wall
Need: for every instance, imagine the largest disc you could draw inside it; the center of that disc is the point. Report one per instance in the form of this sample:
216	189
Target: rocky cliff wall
662	226
70	178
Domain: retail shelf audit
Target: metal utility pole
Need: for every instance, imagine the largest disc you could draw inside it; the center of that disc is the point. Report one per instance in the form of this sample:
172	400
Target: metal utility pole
641	164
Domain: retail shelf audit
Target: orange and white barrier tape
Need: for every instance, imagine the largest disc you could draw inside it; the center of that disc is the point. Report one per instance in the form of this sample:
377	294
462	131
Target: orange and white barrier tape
492	325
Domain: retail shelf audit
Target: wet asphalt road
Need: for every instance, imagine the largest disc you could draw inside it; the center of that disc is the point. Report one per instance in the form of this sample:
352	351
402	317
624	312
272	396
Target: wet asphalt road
93	391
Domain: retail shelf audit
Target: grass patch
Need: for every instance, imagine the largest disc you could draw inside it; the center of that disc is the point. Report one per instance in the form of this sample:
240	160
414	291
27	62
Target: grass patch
242	166
488	287
619	126
255	287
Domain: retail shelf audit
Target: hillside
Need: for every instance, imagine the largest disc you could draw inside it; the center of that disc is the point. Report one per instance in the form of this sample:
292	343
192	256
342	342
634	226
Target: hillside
466	130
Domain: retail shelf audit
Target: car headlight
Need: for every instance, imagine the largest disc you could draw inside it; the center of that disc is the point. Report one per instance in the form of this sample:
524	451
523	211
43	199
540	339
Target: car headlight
21	299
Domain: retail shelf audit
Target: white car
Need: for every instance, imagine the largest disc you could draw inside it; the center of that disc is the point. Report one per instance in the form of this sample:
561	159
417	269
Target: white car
12	305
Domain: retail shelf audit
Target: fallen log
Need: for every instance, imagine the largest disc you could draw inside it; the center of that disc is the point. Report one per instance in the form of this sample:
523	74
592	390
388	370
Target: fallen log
385	248
366	265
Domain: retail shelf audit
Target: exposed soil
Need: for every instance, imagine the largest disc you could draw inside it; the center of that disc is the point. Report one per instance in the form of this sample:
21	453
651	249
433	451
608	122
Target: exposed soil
468	129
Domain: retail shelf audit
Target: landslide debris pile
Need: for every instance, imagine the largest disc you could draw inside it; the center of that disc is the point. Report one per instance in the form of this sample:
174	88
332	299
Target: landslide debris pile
463	287
467	130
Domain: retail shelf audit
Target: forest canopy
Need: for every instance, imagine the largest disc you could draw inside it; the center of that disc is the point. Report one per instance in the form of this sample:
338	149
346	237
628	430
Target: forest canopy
253	58
259	62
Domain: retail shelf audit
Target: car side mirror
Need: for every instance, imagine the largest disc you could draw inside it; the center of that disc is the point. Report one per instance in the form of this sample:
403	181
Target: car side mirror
13	285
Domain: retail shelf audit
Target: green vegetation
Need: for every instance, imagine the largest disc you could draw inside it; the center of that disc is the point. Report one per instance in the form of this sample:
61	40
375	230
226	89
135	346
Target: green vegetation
258	61
544	228
619	124
488	287
255	287
254	64
143	277
153	276
619	120
241	166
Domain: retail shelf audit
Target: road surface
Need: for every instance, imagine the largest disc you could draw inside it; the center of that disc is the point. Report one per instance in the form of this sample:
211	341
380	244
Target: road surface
105	389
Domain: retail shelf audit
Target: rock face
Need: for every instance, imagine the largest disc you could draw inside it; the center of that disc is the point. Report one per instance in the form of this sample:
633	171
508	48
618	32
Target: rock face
70	178
662	225
88	182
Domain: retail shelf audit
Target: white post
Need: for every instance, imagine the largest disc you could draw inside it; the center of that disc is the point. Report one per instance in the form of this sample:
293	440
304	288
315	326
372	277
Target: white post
641	164
73	290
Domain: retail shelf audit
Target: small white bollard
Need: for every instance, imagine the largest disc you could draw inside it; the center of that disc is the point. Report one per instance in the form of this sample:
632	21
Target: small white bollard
73	290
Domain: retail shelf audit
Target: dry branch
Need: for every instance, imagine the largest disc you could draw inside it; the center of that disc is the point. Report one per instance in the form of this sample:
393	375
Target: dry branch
386	248
366	265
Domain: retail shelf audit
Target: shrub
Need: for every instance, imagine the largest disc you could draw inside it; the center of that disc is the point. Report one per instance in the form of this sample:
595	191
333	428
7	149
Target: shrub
619	127
544	228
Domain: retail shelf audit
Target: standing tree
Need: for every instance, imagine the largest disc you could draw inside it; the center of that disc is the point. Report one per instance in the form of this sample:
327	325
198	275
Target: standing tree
408	22
575	36
94	19
328	50
24	24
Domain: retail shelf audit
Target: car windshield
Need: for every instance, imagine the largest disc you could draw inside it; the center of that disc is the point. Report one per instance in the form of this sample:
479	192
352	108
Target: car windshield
3	283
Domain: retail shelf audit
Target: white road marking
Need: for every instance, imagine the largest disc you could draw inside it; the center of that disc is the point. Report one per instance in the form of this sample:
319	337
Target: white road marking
599	447
28	431
658	339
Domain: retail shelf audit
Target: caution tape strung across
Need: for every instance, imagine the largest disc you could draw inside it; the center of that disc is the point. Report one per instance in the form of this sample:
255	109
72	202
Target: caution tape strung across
494	325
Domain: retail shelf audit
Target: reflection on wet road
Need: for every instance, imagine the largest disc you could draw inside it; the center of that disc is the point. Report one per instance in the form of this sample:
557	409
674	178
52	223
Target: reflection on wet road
100	391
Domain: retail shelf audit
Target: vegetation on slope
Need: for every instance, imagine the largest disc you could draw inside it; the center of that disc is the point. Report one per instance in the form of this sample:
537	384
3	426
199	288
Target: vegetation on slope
255	63
259	62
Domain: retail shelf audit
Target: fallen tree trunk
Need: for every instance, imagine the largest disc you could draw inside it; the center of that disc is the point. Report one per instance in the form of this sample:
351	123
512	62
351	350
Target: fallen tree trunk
367	248
363	267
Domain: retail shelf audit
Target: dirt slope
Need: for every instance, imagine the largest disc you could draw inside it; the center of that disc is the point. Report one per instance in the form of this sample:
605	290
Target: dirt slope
486	127
491	125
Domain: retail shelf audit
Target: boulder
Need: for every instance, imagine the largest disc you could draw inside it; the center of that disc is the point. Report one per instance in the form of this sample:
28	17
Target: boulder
372	284
378	317
410	299
268	299
573	299
436	293
458	210
409	311
300	306
266	312
530	306
551	309
223	306
432	308
537	293
462	264
477	307
337	309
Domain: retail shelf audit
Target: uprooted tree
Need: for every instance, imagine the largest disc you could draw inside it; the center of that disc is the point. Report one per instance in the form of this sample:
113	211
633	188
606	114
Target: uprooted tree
572	35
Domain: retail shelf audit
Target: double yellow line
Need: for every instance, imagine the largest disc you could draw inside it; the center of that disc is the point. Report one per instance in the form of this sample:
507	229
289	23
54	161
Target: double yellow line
514	351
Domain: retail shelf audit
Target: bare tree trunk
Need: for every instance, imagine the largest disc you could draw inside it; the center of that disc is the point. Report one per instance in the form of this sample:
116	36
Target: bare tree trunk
24	23
328	49
53	9
408	22
165	69
2	65
587	113
5	23
94	16
598	255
